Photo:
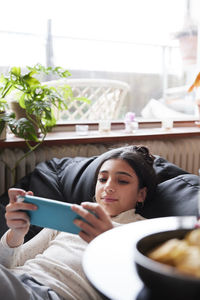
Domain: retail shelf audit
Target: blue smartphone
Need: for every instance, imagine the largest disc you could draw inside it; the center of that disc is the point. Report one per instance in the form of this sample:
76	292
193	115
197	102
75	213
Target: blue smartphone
52	214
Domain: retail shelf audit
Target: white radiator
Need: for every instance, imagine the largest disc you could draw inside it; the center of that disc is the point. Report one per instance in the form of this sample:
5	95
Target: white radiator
183	152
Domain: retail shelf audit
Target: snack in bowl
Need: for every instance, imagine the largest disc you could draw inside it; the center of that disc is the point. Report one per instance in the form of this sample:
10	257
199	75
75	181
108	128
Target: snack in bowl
162	278
183	254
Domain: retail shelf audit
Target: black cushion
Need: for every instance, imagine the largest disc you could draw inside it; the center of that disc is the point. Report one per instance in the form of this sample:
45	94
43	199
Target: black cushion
174	197
165	169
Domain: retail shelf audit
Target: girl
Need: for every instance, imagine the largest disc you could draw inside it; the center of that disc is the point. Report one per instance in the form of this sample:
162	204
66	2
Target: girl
49	265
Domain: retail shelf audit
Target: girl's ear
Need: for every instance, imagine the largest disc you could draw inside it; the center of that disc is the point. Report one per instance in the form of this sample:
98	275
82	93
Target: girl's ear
142	194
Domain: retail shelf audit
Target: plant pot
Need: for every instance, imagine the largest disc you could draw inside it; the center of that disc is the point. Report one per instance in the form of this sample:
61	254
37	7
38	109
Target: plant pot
3	127
16	108
21	113
3	134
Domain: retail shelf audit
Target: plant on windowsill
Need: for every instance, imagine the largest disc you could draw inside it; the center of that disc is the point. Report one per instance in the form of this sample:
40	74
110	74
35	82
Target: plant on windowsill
38	100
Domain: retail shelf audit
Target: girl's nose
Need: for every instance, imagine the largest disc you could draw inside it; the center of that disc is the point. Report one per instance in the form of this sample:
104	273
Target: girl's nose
109	188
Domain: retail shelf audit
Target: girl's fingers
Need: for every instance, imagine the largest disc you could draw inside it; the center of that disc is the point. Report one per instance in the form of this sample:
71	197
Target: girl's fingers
13	215
13	193
95	220
86	227
17	219
93	213
16	206
85	236
18	224
97	209
85	213
29	193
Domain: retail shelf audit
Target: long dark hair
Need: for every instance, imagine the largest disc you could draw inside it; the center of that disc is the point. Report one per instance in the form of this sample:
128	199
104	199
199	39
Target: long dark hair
140	160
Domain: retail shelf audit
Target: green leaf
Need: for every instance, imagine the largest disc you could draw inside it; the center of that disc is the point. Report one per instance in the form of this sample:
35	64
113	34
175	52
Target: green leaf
66	73
16	71
23	128
2	78
3	100
8	117
50	122
4	119
67	91
30	80
3	105
22	101
32	72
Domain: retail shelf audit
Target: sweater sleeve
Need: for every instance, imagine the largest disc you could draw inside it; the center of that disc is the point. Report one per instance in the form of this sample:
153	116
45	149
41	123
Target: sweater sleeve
13	257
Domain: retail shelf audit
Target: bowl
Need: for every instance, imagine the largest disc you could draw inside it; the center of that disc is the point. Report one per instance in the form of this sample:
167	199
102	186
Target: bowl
163	280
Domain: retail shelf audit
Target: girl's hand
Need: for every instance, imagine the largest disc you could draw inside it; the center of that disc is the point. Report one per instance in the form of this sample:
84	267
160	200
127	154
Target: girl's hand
97	218
17	220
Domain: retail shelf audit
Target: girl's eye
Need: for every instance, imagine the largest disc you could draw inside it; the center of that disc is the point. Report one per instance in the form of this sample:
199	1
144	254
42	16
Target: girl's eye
123	182
102	179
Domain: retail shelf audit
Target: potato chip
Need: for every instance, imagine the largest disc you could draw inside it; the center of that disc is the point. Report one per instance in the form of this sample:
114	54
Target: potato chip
193	237
183	254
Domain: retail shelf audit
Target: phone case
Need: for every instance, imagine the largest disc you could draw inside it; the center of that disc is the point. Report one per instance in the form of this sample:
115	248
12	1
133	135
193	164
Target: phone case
52	214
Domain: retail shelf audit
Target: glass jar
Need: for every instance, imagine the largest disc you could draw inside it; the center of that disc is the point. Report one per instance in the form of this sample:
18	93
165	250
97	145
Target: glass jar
131	125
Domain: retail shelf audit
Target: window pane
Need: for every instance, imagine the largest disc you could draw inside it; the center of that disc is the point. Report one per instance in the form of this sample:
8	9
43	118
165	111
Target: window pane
128	40
21	50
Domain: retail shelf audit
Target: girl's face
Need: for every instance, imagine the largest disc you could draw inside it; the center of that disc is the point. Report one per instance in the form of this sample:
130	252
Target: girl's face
117	188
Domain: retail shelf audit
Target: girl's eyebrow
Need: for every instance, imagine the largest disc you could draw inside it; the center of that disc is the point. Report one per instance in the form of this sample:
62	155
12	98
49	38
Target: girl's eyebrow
103	171
119	172
124	173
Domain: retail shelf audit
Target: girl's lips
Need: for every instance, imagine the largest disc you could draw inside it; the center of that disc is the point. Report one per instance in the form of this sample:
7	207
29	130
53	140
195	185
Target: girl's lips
107	199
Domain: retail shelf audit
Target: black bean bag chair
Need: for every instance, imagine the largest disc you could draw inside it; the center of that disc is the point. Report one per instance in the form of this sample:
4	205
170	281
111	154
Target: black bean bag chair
72	180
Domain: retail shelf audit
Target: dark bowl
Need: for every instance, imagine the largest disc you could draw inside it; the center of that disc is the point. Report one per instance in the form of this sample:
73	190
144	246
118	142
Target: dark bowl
163	280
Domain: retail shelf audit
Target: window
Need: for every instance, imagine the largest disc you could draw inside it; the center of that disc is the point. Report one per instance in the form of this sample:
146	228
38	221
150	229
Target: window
126	40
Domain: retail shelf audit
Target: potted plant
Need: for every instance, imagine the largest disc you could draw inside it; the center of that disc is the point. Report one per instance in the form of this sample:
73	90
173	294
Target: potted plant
38	101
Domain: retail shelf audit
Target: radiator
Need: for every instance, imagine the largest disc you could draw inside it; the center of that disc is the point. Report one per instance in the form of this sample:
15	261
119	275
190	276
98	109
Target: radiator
183	152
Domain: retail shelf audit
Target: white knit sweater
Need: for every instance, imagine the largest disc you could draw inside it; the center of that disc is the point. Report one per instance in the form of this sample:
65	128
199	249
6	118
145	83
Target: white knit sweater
54	259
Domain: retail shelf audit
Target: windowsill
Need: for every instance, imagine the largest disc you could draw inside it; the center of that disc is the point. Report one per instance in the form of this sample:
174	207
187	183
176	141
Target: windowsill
143	123
65	134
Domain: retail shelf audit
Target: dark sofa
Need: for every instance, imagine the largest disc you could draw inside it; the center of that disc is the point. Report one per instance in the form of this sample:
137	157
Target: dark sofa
71	180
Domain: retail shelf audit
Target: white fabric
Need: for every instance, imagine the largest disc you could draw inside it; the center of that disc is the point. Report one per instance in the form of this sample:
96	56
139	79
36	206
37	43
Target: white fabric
54	259
157	110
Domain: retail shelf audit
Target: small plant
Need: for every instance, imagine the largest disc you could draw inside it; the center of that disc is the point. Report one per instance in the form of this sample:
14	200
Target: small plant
39	101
